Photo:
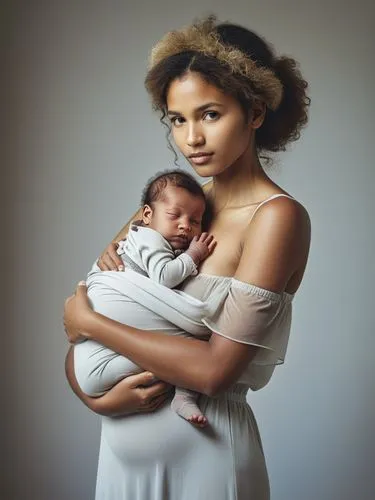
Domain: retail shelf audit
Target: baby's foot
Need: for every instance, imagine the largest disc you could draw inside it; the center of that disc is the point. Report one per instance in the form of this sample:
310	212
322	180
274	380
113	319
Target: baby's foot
184	404
198	420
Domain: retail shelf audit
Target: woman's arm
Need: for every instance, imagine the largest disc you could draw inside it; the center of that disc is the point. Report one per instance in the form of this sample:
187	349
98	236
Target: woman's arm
124	231
206	367
109	260
275	247
128	396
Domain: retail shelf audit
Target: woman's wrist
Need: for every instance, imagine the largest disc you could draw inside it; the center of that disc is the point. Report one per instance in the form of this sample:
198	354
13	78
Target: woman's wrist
101	407
87	324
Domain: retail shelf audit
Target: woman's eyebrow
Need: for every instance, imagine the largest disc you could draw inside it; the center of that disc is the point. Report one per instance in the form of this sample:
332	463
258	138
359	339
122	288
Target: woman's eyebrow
200	108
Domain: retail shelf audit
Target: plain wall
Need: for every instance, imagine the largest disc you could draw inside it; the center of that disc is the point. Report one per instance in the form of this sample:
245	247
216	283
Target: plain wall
80	140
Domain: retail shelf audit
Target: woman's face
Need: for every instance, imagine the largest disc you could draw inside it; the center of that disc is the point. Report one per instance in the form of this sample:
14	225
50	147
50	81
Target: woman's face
208	126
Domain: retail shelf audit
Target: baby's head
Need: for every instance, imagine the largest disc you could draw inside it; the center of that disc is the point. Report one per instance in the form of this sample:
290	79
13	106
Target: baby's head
174	205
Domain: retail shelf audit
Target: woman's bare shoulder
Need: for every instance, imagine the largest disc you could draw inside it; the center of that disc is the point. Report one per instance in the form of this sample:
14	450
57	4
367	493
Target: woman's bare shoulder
276	244
284	210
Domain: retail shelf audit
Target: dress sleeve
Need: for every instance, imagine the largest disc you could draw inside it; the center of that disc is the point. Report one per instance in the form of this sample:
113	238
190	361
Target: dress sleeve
255	316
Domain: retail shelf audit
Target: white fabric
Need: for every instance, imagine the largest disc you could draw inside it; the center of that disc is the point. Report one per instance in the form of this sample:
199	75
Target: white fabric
254	316
136	300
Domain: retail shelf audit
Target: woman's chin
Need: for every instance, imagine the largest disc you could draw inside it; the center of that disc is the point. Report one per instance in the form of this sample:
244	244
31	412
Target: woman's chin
203	171
207	170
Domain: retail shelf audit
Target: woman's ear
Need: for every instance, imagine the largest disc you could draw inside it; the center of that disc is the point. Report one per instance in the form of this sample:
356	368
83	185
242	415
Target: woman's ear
257	114
147	215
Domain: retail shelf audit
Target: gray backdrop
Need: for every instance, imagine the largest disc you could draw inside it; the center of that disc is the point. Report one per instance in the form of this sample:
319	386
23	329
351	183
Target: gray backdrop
79	141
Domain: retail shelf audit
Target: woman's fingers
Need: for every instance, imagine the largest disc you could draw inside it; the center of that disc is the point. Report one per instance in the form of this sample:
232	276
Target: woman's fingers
102	265
155	403
106	263
141	379
128	396
152	403
110	260
68	300
75	308
155	390
81	286
81	296
150	396
116	261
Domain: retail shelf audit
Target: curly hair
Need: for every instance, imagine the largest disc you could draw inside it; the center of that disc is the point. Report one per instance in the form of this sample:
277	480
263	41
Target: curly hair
241	64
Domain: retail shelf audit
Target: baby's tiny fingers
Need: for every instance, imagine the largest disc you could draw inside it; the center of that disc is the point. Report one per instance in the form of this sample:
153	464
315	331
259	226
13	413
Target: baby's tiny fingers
212	245
203	237
208	240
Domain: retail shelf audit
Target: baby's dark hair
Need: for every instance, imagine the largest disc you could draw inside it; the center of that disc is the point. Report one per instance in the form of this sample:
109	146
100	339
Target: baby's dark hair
280	126
155	186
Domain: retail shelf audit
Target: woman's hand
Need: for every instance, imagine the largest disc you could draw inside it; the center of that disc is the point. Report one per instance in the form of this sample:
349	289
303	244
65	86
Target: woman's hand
131	395
134	395
77	311
110	260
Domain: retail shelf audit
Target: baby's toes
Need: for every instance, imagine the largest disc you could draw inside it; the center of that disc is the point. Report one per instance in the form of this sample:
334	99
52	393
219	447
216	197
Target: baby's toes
203	421
199	420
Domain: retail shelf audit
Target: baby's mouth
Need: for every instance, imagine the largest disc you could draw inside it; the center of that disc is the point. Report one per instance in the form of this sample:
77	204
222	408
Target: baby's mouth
182	240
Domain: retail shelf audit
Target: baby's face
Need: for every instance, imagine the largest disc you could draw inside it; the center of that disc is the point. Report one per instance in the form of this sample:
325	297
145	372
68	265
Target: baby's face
177	216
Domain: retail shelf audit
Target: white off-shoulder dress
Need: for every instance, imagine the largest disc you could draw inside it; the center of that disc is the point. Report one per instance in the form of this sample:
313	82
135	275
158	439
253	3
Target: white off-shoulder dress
160	456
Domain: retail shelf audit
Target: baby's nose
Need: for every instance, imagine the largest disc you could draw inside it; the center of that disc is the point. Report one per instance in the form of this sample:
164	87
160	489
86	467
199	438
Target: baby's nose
185	225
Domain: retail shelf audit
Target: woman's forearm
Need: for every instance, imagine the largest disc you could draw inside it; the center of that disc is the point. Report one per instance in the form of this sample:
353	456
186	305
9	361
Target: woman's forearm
124	231
206	367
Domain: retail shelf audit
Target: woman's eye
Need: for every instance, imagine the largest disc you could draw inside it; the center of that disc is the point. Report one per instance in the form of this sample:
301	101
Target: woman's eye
177	120
211	115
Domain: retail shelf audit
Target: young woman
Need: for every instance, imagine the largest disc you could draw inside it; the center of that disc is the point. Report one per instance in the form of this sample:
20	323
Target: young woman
228	100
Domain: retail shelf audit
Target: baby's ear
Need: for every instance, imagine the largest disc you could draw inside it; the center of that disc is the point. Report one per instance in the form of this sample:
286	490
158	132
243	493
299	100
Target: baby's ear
147	215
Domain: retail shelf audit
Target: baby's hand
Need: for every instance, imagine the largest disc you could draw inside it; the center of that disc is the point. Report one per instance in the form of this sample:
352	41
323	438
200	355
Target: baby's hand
201	247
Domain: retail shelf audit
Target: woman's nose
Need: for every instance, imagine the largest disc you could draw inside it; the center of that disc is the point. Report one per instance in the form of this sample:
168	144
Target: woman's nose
195	136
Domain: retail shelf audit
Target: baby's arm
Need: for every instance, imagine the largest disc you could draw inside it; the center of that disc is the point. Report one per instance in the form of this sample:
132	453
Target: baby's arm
164	267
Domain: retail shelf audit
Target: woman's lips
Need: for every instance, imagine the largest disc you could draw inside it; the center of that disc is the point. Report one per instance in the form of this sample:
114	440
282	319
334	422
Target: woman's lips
201	159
